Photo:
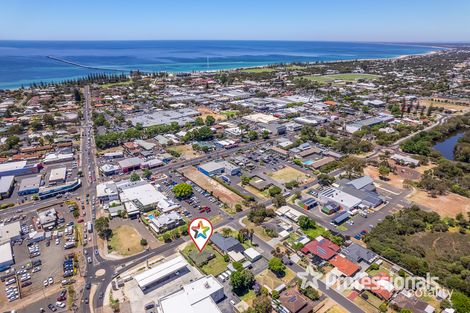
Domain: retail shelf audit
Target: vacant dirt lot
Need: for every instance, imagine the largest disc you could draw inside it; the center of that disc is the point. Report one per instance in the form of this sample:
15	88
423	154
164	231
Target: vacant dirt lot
396	180
205	111
288	174
226	196
187	151
125	240
446	206
462	104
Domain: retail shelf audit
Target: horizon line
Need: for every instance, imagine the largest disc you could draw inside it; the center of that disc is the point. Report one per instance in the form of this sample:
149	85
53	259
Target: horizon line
272	40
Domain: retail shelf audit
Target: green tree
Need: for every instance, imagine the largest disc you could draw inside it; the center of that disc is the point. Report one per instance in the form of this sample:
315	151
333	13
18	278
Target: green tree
210	120
182	190
306	223
252	135
102	227
274	190
245	180
353	166
461	302
199	121
241	280
48	119
146	173
384	171
143	242
135	177
279	200
265	134
277	267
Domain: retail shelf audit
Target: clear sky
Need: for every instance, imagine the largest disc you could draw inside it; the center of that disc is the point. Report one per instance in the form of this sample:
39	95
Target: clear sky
342	20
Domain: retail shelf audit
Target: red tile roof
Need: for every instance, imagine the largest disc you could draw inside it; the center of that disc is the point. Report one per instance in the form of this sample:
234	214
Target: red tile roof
374	285
345	266
322	247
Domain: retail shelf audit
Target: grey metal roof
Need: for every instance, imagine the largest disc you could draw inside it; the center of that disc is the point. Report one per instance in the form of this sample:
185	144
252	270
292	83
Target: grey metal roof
226	243
356	253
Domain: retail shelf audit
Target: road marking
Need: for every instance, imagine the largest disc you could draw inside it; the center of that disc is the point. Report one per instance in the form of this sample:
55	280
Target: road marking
384	189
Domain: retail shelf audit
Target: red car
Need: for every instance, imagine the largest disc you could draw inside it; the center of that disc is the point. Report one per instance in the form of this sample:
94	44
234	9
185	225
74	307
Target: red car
80	220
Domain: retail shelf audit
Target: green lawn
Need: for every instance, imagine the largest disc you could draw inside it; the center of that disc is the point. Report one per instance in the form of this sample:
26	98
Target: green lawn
258	70
248	297
215	266
314	233
350	77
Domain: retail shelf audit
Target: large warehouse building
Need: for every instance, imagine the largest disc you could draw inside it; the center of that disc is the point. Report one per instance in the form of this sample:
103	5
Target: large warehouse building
18	168
6	256
199	296
160	273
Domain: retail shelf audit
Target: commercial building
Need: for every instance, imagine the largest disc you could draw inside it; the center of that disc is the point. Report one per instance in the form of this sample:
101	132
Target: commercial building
350	194
47	192
166	221
57	175
10	232
109	169
404	159
160	272
128	165
48	218
354	127
199	296
18	168
260	118
181	117
145	196
218	167
6	256
29	185
6	186
52	158
107	191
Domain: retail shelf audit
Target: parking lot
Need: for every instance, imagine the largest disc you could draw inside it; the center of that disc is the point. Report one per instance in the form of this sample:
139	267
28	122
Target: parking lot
39	262
201	199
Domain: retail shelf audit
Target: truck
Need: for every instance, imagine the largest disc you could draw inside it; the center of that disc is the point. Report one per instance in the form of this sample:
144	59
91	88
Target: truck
69	245
89	227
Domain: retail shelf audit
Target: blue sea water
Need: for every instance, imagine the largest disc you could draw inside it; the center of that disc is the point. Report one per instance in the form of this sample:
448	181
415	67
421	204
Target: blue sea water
24	62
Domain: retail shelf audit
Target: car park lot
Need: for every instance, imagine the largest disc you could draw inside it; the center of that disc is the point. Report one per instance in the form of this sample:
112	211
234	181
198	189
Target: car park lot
192	207
38	264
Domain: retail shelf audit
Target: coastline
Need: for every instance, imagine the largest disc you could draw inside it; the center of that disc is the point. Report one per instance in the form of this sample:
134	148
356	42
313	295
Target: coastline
19	84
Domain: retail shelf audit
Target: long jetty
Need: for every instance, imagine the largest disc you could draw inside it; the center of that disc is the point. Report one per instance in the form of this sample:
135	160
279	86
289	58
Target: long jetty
86	66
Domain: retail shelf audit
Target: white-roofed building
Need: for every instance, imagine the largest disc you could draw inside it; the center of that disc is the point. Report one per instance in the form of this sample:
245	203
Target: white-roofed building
199	296
107	191
160	272
10	232
6	256
146	197
57	175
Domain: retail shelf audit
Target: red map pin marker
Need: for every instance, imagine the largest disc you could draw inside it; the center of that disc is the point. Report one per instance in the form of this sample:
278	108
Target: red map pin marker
200	230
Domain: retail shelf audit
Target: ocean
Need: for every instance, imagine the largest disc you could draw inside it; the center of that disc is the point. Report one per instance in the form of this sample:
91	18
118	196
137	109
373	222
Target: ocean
25	62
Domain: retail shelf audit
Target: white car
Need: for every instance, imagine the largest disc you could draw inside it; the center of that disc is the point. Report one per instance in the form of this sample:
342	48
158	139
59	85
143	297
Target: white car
60	304
50	280
46	283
